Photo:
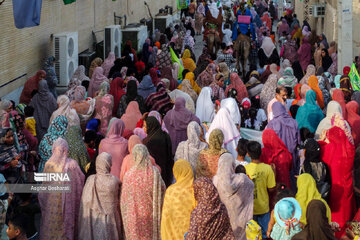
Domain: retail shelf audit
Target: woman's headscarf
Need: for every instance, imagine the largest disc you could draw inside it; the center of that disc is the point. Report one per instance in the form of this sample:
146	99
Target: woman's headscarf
166	73
313	84
310	71
224	122
276	153
205	110
234	192
324	41
100	199
97	78
117	91
237	84
104	89
323	83
77	148
309	115
317	227
298	97
186	87
231	105
141	197
191	148
268	91
326	60
224	69
44	104
209	220
146	87
30	85
306	32
284	27
78	77
175	70
188	62
288	79
284	126
66	110
154	76
97	62
307	191
268	46
57	129
153	56
285	64
108	63
325	124
188	41
145	52
51	77
339	97
207	76
179	202
131	116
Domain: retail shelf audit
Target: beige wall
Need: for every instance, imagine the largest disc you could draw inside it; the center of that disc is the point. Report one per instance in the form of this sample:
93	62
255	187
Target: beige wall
23	50
329	24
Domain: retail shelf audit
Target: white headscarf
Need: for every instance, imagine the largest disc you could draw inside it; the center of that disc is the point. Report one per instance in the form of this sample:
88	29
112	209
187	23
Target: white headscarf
268	46
224	122
231	105
214	10
66	110
205	110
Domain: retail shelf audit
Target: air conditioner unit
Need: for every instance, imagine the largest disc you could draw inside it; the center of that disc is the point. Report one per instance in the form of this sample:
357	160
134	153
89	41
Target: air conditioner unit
66	54
319	10
85	59
162	22
112	40
311	11
136	33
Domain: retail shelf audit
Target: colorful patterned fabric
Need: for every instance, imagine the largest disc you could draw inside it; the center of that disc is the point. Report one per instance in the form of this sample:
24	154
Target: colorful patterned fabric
141	198
56	130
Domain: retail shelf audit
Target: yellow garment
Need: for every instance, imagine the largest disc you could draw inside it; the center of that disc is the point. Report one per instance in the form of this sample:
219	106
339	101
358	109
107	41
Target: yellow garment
179	202
30	125
263	177
188	63
191	77
253	231
307	191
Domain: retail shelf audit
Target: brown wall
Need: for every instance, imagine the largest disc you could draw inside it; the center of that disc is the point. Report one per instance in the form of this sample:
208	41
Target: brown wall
23	50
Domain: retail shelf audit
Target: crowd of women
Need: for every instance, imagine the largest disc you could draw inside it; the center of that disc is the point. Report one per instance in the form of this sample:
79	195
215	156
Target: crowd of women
158	145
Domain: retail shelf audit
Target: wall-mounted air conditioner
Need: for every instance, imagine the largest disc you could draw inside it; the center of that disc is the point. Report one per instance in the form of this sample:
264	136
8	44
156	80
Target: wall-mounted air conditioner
319	10
66	54
136	33
112	40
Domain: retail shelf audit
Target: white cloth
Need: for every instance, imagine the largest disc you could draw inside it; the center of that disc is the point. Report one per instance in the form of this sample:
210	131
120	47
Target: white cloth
224	122
268	46
205	110
231	105
227	36
214	10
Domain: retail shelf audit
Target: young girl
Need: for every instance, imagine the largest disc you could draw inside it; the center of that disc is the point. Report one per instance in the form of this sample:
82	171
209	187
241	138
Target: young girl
285	217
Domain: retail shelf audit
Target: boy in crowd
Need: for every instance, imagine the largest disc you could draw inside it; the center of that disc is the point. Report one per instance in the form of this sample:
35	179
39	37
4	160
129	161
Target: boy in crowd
264	179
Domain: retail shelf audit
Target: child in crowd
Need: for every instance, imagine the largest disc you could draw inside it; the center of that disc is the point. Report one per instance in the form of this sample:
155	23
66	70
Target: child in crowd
264	179
30	123
240	169
90	139
287	213
17	227
26	206
242	159
282	193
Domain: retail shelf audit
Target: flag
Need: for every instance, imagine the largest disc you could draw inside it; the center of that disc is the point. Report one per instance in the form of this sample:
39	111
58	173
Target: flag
182	4
354	78
174	59
26	13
